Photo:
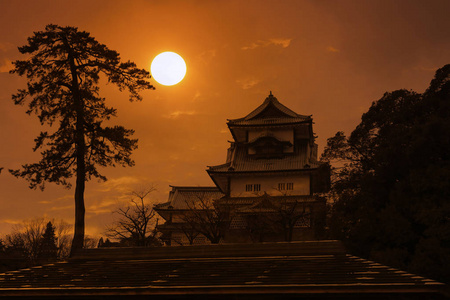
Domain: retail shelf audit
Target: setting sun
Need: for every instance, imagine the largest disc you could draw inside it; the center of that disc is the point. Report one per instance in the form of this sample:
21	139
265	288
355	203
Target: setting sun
168	68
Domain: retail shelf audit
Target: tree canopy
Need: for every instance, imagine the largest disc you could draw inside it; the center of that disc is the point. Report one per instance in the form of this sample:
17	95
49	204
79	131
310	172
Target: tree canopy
63	69
391	190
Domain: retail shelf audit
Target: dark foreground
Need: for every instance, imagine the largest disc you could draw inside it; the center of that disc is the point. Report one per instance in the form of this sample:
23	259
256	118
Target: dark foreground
301	270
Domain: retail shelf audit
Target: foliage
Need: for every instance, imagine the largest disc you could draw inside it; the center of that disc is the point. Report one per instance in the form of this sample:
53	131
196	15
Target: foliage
389	181
63	70
134	225
48	248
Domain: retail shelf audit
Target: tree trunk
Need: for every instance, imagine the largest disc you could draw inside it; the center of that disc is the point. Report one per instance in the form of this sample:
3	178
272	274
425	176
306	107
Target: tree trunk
78	238
80	150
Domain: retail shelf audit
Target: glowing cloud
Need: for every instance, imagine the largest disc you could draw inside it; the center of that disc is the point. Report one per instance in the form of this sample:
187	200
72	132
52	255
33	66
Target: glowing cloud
247	83
332	49
284	43
5	65
178	113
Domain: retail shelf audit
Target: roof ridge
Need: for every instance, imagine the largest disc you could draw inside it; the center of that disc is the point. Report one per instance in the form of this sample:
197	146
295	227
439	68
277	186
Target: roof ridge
270	101
192	187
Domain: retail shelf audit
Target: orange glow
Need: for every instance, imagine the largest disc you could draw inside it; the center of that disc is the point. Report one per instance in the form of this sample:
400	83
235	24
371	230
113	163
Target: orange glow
329	59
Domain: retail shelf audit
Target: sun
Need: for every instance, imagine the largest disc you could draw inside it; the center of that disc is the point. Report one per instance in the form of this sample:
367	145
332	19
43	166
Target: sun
168	68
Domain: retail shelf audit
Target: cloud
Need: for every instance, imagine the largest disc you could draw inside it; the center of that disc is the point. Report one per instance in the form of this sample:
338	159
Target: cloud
67	207
65	197
105	206
284	43
122	184
332	49
11	221
196	96
207	56
178	113
5	65
247	83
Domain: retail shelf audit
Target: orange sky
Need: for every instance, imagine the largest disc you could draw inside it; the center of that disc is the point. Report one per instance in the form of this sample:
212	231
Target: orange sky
327	58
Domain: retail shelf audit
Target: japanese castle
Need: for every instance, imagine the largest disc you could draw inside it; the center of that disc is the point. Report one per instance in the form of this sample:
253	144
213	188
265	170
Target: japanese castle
267	190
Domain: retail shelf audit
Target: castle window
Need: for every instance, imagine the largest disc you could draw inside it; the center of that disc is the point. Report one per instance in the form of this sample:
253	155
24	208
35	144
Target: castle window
253	187
286	186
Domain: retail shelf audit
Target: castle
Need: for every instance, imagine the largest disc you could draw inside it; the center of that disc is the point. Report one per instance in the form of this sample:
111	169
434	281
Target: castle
267	190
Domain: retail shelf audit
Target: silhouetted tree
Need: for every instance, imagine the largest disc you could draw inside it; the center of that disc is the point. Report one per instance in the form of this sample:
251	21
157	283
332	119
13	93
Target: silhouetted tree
12	258
389	186
63	71
135	220
288	214
89	242
189	232
48	249
271	218
204	218
27	237
63	231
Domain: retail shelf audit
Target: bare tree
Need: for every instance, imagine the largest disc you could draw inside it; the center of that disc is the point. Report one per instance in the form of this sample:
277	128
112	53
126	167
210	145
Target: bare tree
134	224
276	217
287	215
89	242
204	218
189	232
28	236
63	238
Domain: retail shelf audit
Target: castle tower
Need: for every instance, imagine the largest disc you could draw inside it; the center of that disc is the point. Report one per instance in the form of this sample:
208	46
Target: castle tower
269	186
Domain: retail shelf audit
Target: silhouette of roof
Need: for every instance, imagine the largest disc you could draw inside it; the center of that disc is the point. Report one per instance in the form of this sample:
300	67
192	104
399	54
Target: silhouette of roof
270	112
183	197
265	270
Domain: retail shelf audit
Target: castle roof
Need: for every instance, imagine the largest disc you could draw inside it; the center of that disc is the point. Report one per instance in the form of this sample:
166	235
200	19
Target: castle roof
242	162
186	197
270	112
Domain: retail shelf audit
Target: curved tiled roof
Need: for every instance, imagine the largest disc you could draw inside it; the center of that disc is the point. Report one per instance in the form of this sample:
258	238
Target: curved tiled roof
271	112
183	197
243	163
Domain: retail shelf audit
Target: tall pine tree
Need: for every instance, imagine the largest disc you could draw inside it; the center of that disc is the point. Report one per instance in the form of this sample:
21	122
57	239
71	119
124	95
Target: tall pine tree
63	69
